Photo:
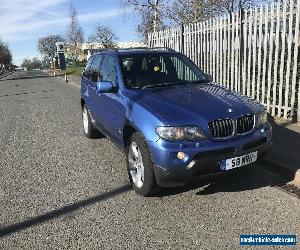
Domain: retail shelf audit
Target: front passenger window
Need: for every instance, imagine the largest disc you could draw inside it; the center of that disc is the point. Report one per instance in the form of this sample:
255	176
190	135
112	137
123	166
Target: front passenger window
108	70
87	70
95	69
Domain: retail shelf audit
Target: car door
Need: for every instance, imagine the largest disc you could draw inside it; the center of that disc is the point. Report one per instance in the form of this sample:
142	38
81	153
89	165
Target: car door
110	106
95	111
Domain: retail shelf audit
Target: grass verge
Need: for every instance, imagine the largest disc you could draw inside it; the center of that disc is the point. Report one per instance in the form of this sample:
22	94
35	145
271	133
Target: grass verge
76	71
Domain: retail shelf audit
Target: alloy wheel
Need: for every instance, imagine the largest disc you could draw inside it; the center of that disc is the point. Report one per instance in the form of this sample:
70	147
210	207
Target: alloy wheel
136	166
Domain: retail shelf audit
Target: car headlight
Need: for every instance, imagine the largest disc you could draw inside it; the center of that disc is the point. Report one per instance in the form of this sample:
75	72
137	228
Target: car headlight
261	119
189	133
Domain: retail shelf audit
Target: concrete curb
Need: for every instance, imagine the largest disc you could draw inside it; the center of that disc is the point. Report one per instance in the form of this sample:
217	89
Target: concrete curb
70	81
276	166
62	78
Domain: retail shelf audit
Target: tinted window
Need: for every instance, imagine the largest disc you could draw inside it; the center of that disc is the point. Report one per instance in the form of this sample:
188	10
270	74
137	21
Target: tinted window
95	68
108	70
140	70
87	69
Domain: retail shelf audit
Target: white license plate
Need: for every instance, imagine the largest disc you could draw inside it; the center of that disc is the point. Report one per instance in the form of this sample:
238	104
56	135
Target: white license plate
239	161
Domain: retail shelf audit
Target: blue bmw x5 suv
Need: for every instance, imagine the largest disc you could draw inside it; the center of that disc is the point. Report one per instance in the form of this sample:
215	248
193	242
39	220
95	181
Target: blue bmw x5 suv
173	122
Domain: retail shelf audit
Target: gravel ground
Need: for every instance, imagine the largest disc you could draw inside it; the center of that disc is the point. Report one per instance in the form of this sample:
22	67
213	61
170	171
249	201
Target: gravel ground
60	190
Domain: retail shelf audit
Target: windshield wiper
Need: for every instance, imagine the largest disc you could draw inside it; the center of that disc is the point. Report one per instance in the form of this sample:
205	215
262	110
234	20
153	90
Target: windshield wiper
163	84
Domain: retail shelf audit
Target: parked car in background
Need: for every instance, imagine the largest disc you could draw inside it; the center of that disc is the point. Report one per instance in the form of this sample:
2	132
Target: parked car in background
173	122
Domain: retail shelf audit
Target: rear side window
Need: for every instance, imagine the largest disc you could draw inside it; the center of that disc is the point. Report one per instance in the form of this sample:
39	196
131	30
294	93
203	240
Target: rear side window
108	70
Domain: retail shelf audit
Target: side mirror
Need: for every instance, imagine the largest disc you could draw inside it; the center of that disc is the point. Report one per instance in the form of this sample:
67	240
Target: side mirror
104	87
209	76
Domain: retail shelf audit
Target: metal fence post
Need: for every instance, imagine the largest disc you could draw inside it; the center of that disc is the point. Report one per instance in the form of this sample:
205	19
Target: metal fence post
246	51
241	52
182	38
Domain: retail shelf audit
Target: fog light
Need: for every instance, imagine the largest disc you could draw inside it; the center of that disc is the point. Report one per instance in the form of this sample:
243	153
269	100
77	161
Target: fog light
180	155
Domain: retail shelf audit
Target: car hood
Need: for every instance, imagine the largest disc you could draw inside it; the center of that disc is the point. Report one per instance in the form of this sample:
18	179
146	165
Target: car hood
205	102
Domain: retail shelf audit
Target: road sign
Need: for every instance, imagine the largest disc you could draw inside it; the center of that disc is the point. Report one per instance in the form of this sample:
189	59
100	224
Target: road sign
60	47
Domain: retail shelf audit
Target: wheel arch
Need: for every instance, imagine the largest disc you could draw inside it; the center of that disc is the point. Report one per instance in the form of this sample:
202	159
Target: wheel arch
82	102
128	131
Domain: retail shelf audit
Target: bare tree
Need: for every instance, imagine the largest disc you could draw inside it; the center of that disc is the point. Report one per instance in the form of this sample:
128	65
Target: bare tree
187	11
104	35
5	55
74	33
156	13
26	63
31	64
146	25
230	6
47	47
151	12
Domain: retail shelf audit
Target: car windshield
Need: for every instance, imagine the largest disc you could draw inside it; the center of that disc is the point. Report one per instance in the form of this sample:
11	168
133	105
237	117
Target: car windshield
143	70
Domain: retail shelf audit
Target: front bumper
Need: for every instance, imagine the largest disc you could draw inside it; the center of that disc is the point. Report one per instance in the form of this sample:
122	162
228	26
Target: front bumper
203	158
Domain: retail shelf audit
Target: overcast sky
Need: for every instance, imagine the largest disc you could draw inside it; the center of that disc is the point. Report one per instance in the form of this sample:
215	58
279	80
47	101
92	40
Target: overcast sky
22	22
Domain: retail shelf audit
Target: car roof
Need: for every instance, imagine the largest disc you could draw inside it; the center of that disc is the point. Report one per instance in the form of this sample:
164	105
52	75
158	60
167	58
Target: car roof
131	51
144	51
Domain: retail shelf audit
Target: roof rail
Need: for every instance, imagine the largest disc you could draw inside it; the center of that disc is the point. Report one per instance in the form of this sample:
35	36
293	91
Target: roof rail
154	48
132	48
103	49
163	48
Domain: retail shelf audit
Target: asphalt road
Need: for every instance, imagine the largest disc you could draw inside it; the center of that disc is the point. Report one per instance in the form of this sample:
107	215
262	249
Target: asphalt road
60	190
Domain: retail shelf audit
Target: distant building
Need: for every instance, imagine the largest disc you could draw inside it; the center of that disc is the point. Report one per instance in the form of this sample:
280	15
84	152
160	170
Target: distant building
85	50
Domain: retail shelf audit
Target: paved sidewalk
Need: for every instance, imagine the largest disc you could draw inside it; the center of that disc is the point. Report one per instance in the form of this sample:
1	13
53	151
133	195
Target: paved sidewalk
61	74
285	152
283	156
74	79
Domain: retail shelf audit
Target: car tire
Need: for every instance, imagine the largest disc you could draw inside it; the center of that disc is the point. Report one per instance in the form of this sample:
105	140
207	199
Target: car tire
140	166
88	129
